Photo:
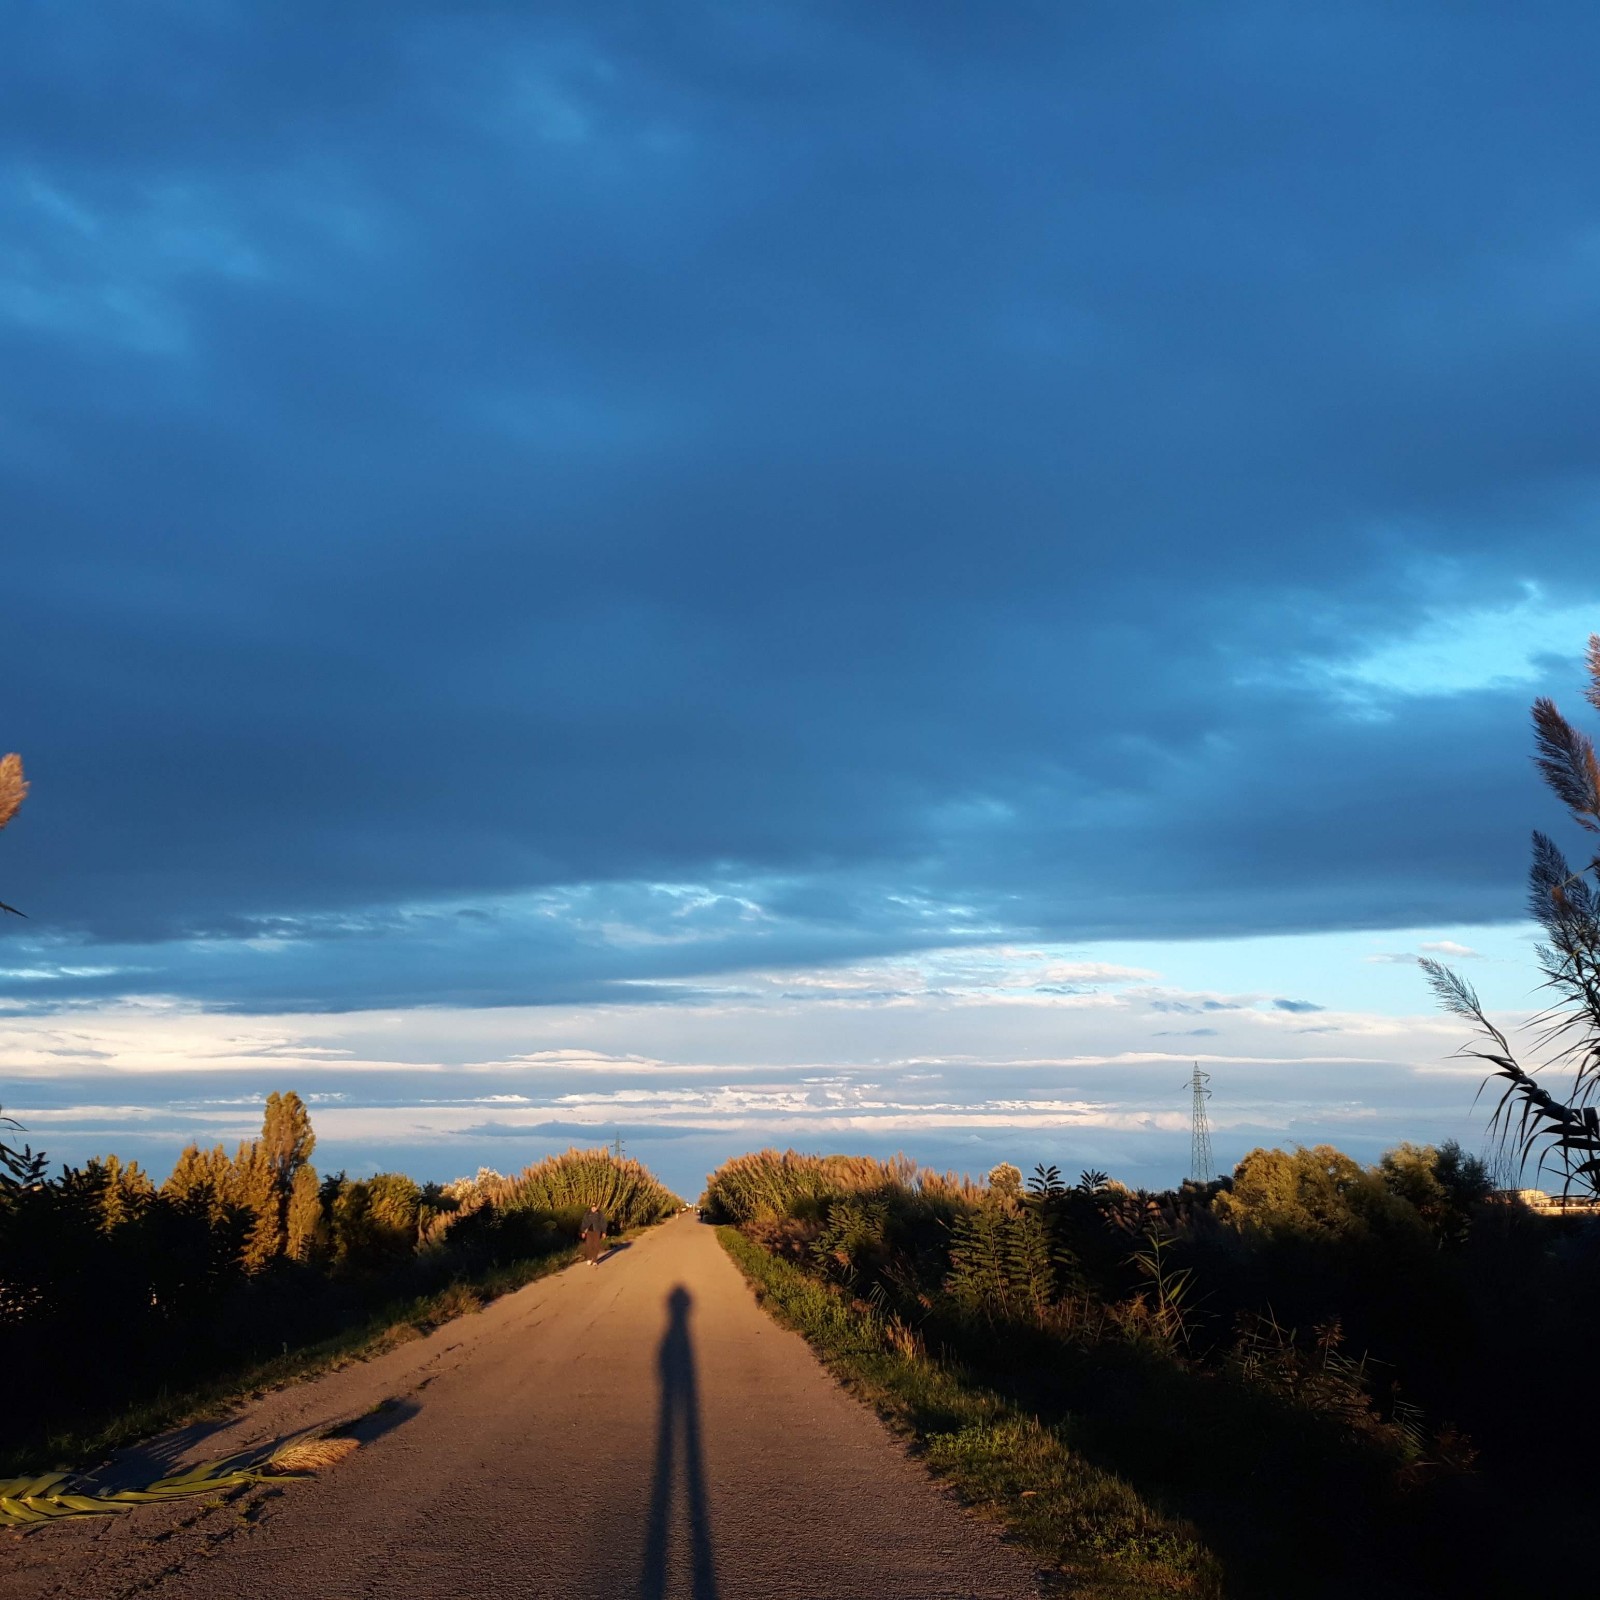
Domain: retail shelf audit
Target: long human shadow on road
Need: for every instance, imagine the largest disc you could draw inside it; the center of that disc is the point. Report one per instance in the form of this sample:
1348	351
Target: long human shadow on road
678	1435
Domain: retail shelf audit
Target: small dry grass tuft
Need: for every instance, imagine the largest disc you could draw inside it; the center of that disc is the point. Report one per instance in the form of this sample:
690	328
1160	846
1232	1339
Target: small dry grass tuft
312	1455
904	1340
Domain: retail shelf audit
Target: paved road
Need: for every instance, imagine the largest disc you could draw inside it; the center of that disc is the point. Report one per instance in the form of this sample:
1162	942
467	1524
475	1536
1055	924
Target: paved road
640	1429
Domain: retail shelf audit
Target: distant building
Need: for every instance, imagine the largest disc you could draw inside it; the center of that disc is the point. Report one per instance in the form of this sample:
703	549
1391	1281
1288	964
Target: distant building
1549	1205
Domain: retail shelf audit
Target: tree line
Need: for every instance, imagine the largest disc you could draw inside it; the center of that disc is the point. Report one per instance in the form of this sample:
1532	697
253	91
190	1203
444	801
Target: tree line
114	1287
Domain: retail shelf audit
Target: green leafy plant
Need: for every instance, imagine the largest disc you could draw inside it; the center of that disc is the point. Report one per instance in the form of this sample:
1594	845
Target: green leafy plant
1166	1291
1000	1265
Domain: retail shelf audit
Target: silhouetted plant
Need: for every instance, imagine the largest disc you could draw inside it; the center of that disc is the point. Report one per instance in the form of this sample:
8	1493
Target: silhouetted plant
1554	1130
1045	1185
19	1169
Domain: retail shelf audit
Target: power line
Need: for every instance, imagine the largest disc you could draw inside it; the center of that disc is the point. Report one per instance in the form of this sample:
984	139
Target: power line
1201	1167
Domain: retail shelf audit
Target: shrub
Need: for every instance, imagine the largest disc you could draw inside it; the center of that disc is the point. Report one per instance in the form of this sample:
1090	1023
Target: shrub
1000	1264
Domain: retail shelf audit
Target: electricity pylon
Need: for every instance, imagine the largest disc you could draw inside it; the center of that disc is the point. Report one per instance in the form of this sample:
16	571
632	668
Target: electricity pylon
1200	1166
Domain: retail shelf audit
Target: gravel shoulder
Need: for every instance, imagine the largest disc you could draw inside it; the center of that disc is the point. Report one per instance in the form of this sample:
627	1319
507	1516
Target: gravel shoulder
640	1428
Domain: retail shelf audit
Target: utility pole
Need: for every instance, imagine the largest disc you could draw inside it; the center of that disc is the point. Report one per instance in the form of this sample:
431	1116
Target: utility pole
616	1145
1200	1163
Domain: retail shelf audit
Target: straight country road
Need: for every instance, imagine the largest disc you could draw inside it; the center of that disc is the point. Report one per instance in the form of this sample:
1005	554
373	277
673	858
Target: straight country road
641	1428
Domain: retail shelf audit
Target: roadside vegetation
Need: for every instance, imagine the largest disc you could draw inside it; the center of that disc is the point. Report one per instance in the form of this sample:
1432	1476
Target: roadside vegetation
1297	1377
1086	1522
1342	1377
131	1304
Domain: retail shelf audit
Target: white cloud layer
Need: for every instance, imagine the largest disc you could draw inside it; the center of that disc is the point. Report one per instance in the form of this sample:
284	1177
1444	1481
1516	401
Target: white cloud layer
962	1057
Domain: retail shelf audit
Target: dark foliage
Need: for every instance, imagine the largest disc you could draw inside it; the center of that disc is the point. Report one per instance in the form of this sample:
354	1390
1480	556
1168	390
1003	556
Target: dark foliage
1306	1359
113	1291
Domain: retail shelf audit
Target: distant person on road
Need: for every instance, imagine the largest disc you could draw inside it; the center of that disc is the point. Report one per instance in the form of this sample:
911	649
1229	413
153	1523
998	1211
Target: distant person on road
592	1230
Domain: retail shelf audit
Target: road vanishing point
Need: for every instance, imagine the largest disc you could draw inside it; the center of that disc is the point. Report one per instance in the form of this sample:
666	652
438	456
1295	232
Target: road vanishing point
640	1429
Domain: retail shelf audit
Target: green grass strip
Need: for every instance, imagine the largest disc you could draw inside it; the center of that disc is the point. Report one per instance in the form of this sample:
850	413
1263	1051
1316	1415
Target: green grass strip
1077	1519
394	1324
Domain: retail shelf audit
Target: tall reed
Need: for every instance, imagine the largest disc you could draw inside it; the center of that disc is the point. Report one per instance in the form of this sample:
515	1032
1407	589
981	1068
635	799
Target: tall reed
627	1191
772	1183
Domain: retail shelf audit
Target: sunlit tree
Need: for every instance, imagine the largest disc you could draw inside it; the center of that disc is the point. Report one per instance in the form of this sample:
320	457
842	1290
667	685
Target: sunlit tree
204	1180
304	1217
264	1175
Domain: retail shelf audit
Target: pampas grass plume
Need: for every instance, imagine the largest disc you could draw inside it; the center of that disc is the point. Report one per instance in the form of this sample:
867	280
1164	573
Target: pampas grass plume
13	787
312	1455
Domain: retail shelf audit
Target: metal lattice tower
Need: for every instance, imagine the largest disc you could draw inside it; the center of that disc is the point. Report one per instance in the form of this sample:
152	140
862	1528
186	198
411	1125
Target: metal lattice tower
1200	1164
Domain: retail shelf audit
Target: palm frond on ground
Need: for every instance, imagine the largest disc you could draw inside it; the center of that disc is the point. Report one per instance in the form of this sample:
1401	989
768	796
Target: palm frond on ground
30	1502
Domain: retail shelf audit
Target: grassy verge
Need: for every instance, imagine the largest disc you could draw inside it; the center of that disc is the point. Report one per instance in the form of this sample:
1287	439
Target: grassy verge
76	1448
1076	1518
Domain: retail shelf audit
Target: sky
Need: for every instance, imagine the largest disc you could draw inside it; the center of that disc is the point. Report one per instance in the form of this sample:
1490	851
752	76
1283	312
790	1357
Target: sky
862	577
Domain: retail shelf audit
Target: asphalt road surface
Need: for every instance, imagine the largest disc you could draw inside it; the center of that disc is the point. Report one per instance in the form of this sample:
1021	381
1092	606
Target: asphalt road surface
637	1429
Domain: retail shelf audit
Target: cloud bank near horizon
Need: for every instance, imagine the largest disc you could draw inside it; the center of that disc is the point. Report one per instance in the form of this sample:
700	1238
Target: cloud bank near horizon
963	1058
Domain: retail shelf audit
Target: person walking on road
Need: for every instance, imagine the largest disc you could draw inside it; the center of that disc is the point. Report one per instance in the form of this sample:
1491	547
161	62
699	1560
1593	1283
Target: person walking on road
592	1230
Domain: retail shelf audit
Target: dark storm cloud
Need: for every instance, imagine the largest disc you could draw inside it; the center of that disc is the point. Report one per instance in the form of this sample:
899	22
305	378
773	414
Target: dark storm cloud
902	469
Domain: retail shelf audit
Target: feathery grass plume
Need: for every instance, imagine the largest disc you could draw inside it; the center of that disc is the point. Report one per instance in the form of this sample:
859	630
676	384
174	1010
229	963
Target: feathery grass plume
13	791
1567	760
13	787
564	1186
771	1184
313	1454
1563	1129
626	1190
